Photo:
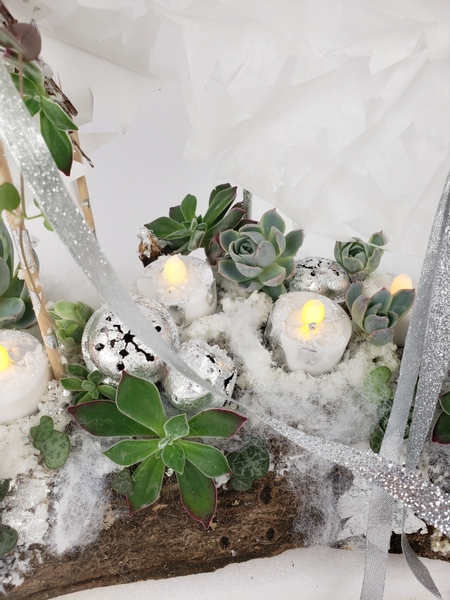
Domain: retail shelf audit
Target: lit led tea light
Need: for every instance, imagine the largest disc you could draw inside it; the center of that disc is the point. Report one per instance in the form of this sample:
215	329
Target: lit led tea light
308	332
184	285
401	282
24	374
4	358
175	270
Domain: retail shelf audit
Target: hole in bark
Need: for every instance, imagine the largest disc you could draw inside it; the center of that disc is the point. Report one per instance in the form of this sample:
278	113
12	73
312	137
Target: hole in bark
224	542
270	534
266	494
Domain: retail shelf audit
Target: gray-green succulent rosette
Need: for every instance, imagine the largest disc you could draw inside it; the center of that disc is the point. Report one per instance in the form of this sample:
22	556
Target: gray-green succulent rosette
358	258
259	255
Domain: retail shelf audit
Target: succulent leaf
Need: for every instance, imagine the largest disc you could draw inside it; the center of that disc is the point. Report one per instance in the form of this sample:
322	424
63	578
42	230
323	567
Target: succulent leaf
188	207
176	427
445	402
376	386
402	302
147	483
272	219
382	298
358	258
216	422
103	418
381	337
130	452
198	494
374	322
441	429
294	240
174	458
148	411
210	461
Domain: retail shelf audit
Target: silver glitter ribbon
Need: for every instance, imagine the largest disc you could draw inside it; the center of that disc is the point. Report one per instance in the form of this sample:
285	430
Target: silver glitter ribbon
27	147
425	357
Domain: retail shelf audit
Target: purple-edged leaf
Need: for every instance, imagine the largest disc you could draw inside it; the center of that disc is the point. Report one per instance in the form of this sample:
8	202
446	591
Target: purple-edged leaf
176	427
130	452
251	286
294	240
374	322
215	422
353	292
373	310
353	265
214	250
210	461
147	482
173	457
139	400
378	239
382	297
273	275
278	241
445	402
162	226
374	260
402	302
219	204
227	268
247	271
381	337
198	494
358	310
265	254
288	264
441	429
272	219
230	221
103	418
217	189
58	143
188	207
227	237
393	318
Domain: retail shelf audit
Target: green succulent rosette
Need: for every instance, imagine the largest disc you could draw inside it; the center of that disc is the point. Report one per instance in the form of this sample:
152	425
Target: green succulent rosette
259	255
358	258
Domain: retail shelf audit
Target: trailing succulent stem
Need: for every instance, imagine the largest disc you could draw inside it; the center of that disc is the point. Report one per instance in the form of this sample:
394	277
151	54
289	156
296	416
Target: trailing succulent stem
54	445
163	444
186	231
89	386
358	258
374	318
259	256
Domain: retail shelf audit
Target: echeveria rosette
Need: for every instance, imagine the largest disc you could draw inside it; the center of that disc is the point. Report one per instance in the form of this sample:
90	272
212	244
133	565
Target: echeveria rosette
163	443
441	429
259	255
358	258
375	318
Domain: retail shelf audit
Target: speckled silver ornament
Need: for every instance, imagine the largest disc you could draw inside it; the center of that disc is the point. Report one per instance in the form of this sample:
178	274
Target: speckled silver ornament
212	364
110	347
320	276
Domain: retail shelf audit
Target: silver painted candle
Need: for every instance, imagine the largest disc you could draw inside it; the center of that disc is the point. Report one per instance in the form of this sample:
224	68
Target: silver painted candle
320	276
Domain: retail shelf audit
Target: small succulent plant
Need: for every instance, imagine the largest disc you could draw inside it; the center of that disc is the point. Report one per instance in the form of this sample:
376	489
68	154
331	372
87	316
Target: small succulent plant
16	309
54	445
358	258
8	536
259	255
187	231
441	429
89	386
375	318
249	463
70	319
162	444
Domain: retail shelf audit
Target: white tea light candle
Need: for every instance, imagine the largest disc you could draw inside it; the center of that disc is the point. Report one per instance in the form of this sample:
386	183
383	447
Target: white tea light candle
308	332
24	374
184	285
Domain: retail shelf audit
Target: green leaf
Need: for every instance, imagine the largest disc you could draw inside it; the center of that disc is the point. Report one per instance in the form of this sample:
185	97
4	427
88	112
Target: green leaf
198	494
163	226
58	143
227	238
108	391
441	429
5	277
376	385
77	371
9	197
358	310
176	427
173	457
96	377
147	482
130	452
31	70
250	462
378	239
210	461
122	483
57	116
227	268
103	418
44	430
6	246
381	337
354	291
11	310
217	189
72	384
382	297
139	399
215	422
219	205
8	539
188	207
273	275
55	449
29	87
33	105
272	219
445	402
4	488
402	302
28	318
229	221
374	322
294	241
240	485
175	213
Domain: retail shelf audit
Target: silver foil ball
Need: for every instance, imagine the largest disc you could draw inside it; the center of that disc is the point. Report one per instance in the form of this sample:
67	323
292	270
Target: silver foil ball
212	364
320	276
111	348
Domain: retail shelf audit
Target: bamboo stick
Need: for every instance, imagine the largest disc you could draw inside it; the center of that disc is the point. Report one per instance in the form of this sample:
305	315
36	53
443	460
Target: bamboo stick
31	276
83	191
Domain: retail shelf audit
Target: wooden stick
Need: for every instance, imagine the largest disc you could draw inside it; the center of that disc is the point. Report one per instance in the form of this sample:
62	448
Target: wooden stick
31	276
83	191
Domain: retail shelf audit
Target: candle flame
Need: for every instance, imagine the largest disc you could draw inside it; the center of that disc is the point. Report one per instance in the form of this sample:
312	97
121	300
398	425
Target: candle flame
313	312
4	358
175	270
401	282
